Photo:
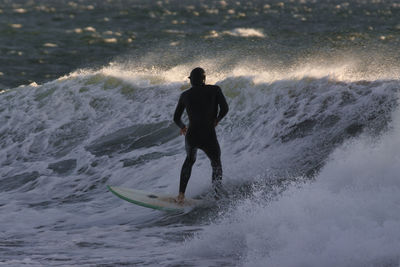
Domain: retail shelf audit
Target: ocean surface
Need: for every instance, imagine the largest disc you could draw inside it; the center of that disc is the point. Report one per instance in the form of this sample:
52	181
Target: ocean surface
310	146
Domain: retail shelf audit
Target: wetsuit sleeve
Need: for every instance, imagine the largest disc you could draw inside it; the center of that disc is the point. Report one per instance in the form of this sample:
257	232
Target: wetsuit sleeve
178	113
223	106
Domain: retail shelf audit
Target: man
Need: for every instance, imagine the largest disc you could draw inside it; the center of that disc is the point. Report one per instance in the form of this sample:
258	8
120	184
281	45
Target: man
201	103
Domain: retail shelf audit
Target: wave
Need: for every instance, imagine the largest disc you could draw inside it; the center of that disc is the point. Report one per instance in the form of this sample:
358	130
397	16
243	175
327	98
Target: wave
286	125
348	216
295	152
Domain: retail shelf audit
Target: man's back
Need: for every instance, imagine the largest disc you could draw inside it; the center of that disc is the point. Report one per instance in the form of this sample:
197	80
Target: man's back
201	104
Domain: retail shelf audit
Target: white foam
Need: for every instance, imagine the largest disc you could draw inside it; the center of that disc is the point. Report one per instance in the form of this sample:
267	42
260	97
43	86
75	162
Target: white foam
350	216
238	32
50	45
246	32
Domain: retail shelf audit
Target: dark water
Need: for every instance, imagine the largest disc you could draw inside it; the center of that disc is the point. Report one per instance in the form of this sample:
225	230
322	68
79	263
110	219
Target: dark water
310	147
43	40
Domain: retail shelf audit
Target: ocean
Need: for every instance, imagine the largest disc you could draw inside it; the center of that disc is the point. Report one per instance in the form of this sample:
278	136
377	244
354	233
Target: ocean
310	146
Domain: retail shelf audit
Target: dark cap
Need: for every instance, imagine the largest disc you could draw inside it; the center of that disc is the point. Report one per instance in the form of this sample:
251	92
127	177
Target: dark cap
197	76
197	72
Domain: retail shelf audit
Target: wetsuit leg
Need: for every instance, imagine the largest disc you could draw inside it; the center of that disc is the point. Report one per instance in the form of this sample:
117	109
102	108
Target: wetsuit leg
186	171
213	152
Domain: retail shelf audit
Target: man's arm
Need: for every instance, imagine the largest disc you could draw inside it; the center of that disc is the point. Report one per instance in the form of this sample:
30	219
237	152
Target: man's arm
223	106
178	113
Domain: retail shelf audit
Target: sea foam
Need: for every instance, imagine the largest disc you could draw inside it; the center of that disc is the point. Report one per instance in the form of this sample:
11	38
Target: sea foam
349	216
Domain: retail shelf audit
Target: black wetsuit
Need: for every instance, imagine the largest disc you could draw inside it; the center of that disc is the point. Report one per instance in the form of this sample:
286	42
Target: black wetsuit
201	103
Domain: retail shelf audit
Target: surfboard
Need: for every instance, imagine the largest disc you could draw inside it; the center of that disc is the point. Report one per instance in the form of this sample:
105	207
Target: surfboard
156	201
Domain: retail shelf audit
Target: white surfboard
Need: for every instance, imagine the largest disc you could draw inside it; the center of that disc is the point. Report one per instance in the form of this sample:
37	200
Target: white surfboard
154	200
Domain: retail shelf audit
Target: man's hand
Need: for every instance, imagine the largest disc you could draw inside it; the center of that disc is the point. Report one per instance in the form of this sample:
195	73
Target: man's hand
183	131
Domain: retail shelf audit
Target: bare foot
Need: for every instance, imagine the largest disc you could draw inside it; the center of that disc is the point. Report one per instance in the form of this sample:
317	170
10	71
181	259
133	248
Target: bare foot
181	198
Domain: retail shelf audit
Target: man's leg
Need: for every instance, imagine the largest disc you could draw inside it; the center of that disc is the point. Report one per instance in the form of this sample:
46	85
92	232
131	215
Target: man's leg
187	166
213	152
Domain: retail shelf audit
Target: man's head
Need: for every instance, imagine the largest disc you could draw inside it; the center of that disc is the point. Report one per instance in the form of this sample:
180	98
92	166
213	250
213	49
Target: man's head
197	76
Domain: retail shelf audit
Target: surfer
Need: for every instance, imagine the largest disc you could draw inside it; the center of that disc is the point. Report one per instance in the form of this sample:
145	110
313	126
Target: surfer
201	103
